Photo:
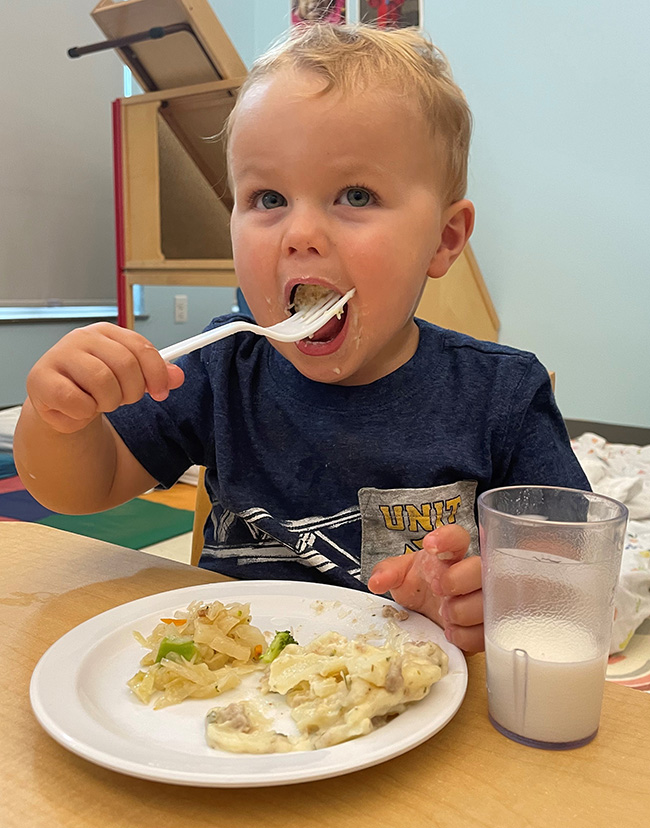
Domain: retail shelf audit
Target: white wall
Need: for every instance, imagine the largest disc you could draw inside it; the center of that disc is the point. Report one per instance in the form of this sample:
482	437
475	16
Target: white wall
56	208
74	123
560	175
55	189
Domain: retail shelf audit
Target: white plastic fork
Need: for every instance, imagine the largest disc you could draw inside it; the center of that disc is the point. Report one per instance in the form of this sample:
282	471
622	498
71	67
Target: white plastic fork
302	324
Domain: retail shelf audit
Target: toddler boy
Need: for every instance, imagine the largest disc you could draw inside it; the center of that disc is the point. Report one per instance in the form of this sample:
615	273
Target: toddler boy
354	457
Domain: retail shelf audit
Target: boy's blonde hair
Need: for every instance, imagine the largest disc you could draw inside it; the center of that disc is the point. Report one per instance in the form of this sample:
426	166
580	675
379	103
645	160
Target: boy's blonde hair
357	57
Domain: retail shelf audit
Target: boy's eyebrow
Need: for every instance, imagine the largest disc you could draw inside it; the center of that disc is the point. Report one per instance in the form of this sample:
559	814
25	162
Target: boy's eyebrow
340	166
254	169
355	167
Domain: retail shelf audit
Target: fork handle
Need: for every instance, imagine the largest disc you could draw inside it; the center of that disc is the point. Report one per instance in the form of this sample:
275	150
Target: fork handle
186	346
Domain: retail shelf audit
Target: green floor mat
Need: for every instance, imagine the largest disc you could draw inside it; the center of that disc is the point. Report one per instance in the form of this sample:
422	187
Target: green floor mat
135	524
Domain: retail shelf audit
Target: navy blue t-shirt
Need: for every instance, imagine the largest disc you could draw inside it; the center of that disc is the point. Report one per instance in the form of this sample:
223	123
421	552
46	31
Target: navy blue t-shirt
311	481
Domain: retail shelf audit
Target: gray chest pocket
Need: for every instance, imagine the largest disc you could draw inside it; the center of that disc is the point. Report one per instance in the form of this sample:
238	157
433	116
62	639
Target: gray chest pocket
394	521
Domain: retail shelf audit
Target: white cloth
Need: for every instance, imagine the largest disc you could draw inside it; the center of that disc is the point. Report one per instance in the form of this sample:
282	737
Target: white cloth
191	476
623	472
8	421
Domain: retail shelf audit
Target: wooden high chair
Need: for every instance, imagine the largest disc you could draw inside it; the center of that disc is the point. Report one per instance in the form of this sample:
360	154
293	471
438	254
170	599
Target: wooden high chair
201	511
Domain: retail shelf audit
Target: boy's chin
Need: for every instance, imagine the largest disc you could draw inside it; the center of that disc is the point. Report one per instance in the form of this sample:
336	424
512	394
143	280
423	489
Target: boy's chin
327	369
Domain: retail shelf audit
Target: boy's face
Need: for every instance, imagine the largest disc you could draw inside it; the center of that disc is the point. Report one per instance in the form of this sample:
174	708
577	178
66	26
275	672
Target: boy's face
339	191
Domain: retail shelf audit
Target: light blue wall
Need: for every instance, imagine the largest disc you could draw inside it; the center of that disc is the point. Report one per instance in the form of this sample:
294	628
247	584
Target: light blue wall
202	305
271	21
561	180
560	176
238	19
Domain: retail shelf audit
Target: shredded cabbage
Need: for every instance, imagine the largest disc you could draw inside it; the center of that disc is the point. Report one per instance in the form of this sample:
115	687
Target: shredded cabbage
227	647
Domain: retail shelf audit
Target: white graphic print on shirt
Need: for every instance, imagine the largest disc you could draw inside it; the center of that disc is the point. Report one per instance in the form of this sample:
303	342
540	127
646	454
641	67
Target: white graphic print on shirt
387	522
308	541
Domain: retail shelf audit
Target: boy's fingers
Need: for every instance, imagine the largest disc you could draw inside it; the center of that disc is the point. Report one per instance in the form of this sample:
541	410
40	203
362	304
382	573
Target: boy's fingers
175	375
449	543
462	578
394	575
139	367
463	610
155	372
74	410
109	373
389	574
152	366
442	549
160	377
468	639
79	389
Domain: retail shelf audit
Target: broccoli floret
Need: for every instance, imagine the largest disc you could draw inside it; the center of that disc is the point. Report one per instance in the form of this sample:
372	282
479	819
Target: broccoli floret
280	641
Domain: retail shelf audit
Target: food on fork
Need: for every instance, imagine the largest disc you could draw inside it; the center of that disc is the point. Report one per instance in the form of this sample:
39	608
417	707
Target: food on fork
337	689
306	296
310	322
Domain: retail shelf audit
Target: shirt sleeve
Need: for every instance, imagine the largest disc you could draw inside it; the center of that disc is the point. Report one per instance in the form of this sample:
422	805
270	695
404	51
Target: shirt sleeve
170	436
540	451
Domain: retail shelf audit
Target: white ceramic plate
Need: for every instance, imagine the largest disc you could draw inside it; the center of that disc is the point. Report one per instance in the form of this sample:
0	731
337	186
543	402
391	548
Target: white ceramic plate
79	695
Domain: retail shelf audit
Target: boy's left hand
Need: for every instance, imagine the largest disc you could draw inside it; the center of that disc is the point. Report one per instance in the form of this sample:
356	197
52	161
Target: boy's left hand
441	583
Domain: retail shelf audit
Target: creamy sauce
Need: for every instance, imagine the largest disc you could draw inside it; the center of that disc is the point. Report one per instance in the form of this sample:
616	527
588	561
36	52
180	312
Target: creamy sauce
337	689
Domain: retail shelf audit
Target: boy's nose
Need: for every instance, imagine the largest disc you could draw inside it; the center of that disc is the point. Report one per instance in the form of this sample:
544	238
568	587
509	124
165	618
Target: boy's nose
305	234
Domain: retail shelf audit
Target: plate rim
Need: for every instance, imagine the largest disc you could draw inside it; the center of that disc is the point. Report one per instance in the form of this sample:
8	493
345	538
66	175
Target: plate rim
104	758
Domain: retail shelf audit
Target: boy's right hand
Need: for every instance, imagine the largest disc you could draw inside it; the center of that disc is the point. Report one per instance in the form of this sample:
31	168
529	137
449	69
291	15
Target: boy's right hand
96	369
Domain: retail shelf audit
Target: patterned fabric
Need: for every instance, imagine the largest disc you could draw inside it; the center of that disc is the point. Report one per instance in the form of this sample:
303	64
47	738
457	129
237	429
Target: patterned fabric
623	472
632	668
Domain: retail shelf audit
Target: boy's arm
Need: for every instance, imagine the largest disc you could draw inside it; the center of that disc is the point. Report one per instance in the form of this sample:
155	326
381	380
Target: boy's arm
539	449
87	471
68	455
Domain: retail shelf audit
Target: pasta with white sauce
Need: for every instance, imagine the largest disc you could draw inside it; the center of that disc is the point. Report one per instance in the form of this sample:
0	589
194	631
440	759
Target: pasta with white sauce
337	689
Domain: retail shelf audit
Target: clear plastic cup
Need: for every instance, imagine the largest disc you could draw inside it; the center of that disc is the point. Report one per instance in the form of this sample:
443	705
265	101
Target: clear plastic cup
550	559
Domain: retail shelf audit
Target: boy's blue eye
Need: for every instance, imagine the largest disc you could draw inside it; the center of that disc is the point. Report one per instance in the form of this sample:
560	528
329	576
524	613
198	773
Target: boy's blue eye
356	197
269	200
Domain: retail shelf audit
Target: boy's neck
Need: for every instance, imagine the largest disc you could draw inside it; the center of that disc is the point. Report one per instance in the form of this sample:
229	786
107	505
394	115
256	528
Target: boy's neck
401	349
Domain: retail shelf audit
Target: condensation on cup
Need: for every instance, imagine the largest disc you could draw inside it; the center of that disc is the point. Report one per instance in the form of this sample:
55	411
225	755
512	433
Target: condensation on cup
551	559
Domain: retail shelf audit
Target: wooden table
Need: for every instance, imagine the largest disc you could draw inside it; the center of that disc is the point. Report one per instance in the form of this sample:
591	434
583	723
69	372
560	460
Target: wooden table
467	775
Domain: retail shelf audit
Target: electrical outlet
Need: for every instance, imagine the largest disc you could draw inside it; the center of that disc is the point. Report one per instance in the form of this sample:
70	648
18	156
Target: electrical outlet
180	308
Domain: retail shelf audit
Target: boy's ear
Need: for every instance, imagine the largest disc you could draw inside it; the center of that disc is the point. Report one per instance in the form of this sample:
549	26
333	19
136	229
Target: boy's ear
457	226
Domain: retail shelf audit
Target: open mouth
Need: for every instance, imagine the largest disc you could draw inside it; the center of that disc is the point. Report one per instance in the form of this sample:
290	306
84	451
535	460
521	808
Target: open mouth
304	296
